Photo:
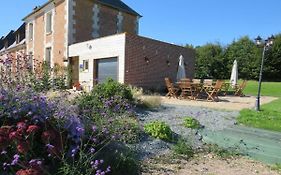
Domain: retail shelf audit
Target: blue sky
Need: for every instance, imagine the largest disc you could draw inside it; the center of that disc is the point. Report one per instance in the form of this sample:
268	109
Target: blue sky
182	21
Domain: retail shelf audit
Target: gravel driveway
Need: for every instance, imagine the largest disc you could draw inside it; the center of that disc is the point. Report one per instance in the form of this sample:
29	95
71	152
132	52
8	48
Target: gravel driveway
173	115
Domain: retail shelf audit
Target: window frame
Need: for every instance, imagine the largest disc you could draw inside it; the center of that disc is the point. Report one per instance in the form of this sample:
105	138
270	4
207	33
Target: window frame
48	52
86	65
49	22
30	31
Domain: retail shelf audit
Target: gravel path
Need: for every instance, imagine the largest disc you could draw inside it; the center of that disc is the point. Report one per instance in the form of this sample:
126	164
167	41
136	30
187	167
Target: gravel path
173	115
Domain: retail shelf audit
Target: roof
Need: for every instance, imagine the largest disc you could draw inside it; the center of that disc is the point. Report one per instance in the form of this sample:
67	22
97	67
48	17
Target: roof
10	38
117	4
21	28
1	42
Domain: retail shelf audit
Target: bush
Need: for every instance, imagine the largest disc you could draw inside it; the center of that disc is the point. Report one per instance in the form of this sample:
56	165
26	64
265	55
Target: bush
151	102
159	130
46	137
127	129
192	123
182	148
112	88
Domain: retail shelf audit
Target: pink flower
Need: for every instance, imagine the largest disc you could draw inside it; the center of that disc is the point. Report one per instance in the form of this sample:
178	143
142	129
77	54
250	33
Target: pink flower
15	136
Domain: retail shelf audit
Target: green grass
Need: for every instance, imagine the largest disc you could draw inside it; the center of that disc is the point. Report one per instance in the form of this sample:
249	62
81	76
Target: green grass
270	115
268	88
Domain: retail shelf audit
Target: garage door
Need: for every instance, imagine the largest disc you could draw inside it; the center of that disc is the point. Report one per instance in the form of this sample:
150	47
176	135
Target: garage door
107	68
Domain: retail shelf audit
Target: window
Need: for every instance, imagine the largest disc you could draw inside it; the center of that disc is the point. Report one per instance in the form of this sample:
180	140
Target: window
48	56
30	60
49	23
85	65
30	32
18	38
120	23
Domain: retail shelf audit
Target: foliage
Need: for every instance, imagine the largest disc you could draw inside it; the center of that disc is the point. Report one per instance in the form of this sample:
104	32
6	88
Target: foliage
159	130
214	60
123	160
127	128
182	148
272	71
112	88
150	102
248	56
37	75
192	123
42	136
276	167
222	152
209	62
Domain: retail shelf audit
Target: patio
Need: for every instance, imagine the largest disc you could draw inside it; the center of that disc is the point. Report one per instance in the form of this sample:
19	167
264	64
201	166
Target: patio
225	103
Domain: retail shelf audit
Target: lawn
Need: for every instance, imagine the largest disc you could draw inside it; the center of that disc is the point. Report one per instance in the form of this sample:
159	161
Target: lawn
268	88
270	115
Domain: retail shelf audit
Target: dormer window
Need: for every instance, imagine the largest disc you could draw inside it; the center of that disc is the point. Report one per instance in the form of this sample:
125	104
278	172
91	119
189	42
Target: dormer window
18	38
49	22
30	31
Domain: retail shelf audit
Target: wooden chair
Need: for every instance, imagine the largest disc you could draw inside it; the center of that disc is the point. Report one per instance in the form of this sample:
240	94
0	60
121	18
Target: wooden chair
225	88
172	90
196	81
239	89
213	91
185	80
187	90
208	82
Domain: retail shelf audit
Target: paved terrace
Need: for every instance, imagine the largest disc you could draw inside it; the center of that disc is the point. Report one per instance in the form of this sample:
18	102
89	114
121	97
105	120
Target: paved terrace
225	103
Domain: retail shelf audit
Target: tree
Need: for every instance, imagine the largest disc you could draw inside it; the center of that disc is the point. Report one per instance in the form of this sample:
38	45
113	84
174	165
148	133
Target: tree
209	62
247	55
272	64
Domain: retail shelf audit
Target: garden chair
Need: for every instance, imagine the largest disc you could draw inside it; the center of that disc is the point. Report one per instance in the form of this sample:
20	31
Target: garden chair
225	88
172	90
239	89
185	80
198	81
187	90
208	82
213	91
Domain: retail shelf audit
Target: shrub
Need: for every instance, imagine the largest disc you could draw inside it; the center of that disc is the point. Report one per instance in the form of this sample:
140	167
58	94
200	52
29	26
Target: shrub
182	148
136	92
192	123
45	137
223	152
40	77
151	102
159	130
111	88
127	129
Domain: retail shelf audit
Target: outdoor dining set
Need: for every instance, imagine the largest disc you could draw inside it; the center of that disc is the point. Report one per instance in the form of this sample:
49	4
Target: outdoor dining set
207	89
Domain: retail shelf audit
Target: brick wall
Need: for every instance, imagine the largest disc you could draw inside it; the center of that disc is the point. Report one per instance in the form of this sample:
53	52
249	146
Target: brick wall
107	17
148	62
108	21
55	39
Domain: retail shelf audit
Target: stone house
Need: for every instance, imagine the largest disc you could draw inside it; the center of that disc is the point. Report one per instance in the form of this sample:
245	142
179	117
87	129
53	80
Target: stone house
99	39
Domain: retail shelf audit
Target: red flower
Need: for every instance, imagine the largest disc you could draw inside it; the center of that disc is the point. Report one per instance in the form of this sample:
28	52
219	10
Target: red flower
49	135
32	129
23	147
30	171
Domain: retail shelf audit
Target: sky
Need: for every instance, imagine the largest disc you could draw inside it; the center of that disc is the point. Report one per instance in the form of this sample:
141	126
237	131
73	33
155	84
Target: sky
195	22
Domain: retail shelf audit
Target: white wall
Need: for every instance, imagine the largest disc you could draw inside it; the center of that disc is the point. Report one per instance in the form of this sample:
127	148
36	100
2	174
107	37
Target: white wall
105	47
